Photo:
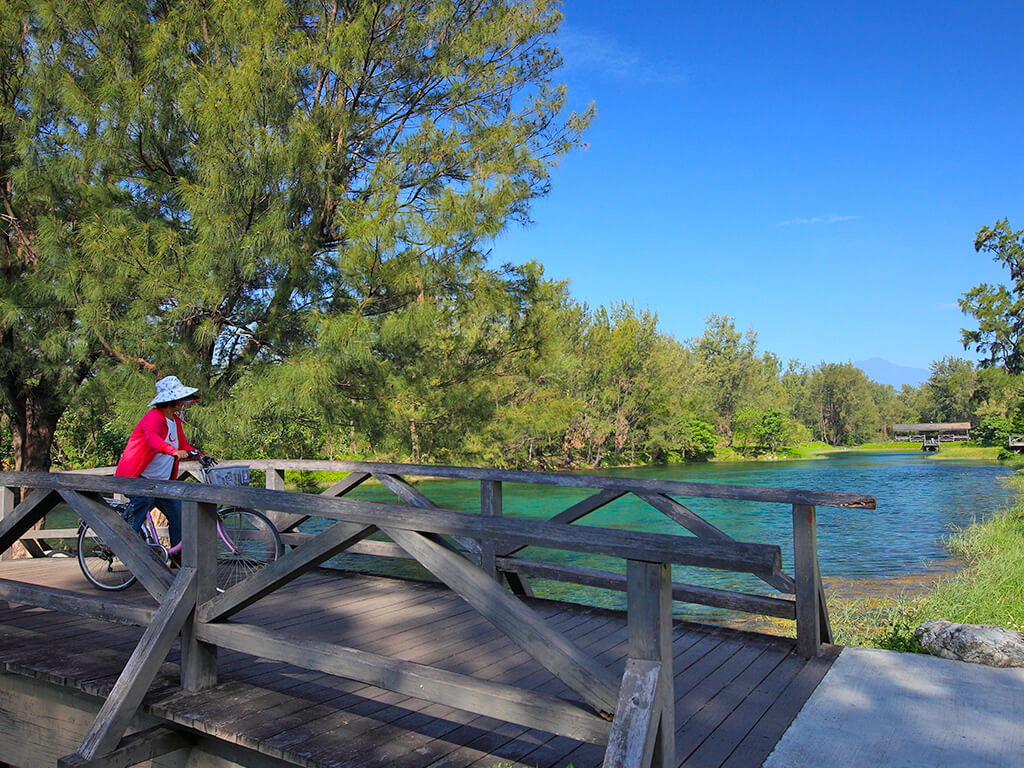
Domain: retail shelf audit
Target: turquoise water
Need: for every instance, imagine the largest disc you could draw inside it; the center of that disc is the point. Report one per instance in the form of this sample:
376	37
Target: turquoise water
920	502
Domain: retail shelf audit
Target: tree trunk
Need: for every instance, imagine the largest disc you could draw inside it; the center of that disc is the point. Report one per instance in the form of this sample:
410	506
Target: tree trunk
33	420
415	443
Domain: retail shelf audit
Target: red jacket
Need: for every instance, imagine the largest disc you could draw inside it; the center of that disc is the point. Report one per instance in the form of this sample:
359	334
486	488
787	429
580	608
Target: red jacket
147	440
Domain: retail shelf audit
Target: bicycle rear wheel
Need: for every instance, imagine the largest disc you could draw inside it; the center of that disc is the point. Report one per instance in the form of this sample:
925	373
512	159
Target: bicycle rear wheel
246	542
99	564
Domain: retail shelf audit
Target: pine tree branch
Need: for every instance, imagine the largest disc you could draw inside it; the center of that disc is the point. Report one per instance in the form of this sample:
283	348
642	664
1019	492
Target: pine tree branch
128	360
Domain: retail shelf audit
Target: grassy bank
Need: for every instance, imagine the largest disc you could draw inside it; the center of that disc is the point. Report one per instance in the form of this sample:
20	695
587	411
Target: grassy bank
988	590
964	451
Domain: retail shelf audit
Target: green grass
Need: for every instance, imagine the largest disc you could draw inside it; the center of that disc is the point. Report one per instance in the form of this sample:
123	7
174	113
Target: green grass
887	447
963	451
988	590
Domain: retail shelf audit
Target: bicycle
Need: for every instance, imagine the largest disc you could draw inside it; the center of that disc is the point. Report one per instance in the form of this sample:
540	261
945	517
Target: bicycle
246	539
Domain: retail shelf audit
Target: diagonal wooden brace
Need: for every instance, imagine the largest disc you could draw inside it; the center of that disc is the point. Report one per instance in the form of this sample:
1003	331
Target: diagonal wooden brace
134	749
583	674
413	497
701	528
123	702
576	511
30	511
117	534
286	568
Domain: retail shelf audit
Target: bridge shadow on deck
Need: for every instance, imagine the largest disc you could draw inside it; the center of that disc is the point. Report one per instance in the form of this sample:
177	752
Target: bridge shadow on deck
735	692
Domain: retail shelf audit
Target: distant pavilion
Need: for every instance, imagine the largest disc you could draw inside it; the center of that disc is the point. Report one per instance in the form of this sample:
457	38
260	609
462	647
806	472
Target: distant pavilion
930	435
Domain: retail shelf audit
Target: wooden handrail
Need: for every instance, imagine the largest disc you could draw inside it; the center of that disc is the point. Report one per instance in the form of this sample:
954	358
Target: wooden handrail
564	480
727	555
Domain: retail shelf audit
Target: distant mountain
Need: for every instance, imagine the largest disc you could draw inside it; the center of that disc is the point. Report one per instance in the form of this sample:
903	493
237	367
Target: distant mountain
885	372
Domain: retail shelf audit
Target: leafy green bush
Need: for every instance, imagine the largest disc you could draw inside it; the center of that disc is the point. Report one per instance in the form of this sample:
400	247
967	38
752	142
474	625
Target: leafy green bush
699	440
993	430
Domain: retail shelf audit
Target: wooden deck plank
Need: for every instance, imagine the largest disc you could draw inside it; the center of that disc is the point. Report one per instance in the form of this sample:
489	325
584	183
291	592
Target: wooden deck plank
491	739
427	735
709	715
404	708
768	729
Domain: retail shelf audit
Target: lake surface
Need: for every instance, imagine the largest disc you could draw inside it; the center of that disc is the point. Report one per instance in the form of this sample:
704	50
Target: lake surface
920	502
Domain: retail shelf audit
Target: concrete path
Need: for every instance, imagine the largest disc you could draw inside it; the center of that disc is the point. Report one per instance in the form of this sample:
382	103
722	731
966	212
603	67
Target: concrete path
876	709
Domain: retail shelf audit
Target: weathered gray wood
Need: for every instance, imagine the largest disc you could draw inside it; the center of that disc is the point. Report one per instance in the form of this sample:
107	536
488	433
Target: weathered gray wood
123	702
649	602
74	603
274	477
637	720
518	584
19	519
379	549
727	555
526	628
6	508
415	498
808	599
824	623
576	511
134	749
504	702
117	534
50	533
285	569
346	484
673	487
697	525
282	520
199	552
686	593
490	506
627	485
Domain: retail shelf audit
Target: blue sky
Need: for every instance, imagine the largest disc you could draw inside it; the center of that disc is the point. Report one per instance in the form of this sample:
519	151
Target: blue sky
815	170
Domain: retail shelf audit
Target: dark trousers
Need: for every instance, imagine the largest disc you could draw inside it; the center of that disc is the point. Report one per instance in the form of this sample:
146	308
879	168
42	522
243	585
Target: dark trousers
138	506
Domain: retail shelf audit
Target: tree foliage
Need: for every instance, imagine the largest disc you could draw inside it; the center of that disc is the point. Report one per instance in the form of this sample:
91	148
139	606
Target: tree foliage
272	200
999	309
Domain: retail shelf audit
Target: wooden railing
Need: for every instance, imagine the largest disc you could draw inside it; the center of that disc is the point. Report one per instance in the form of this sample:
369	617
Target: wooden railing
938	438
468	552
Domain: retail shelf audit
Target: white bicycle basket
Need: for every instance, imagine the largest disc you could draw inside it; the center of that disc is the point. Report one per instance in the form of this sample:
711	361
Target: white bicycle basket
232	476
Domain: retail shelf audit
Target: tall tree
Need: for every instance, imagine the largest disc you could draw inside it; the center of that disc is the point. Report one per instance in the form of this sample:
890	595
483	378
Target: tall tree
847	414
43	195
999	310
727	368
949	391
244	193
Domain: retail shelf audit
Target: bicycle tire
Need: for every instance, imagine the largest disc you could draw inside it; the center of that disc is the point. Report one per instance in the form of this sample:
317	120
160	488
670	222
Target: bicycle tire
254	543
100	566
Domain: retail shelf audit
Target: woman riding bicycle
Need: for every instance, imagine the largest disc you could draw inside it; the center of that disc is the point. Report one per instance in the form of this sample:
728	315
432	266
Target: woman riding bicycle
154	449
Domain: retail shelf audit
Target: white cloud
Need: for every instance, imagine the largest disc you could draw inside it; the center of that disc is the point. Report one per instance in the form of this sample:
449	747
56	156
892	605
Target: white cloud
831	219
597	52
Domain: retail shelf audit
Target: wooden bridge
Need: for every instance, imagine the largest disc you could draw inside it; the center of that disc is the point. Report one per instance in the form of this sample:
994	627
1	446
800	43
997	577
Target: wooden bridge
300	665
931	435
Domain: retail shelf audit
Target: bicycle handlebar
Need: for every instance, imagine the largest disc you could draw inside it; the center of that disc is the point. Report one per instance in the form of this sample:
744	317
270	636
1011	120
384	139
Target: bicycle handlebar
204	461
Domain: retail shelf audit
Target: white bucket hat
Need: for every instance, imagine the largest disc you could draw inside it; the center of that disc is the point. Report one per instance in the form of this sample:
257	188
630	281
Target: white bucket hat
169	389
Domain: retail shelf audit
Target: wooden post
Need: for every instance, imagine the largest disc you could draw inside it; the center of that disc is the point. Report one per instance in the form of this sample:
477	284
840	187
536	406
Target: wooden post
199	551
649	601
490	506
7	498
275	479
809	599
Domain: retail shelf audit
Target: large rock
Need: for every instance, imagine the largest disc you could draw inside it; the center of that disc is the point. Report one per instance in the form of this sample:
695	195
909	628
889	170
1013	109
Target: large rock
979	643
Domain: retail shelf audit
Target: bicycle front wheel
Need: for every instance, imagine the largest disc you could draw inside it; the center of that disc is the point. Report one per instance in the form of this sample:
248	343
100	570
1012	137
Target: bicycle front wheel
246	542
99	564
